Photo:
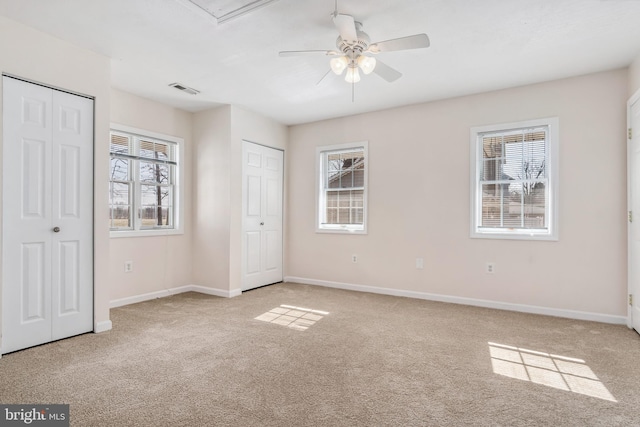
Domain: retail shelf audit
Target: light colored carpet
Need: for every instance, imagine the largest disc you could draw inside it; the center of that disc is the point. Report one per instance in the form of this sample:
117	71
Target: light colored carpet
363	360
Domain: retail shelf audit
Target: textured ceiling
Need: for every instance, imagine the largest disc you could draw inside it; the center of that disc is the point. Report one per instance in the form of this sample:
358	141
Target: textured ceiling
223	10
476	46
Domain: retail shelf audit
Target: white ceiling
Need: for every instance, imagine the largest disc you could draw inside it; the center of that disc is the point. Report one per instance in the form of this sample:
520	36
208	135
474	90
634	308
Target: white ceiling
476	46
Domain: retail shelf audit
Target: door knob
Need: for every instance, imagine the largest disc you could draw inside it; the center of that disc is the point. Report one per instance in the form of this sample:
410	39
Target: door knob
56	229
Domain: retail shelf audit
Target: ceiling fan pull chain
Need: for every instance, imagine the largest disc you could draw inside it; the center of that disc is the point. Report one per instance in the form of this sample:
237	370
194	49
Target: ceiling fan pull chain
353	91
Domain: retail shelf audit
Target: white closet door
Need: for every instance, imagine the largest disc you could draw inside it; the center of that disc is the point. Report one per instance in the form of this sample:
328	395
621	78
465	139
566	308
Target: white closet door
47	281
26	219
262	187
634	226
72	214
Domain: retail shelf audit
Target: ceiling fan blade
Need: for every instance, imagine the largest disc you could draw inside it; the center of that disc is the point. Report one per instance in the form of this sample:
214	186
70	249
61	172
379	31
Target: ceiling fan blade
308	52
323	77
386	72
346	26
417	41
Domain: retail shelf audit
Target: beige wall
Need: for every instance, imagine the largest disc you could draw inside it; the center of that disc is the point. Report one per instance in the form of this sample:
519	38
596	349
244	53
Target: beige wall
32	55
419	201
159	262
218	134
634	76
212	205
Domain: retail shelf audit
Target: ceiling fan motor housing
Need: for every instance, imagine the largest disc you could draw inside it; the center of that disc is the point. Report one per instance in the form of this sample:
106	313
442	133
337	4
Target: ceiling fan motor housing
356	46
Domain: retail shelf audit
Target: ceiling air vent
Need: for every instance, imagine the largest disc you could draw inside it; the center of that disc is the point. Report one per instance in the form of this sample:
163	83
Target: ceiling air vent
189	90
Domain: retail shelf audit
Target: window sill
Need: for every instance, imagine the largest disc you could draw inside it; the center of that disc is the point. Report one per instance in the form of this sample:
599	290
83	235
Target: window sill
507	235
145	233
340	231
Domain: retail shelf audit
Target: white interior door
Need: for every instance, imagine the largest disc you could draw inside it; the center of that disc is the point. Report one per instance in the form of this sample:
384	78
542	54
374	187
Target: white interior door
47	226
262	179
634	225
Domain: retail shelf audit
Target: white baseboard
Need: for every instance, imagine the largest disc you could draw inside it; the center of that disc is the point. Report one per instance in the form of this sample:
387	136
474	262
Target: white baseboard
216	292
570	314
147	297
173	291
103	326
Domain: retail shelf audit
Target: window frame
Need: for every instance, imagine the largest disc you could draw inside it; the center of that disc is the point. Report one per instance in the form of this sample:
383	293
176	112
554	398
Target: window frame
321	176
552	169
136	201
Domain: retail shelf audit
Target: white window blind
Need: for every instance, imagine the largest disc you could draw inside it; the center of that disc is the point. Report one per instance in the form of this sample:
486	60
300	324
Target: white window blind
514	179
513	191
121	182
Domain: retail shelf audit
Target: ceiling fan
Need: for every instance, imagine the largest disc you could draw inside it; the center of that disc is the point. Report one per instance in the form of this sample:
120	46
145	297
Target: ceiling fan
355	51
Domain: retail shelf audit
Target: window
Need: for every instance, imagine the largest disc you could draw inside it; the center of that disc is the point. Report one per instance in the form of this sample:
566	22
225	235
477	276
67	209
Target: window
143	183
342	188
514	180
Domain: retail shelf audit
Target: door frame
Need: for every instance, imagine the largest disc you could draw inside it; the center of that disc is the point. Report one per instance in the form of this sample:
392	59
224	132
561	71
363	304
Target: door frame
243	245
93	192
634	98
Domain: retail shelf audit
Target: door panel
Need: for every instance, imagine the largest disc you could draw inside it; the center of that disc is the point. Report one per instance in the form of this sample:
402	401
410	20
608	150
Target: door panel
33	180
69	182
254	195
254	159
262	186
273	249
274	198
69	278
35	104
33	293
253	252
70	119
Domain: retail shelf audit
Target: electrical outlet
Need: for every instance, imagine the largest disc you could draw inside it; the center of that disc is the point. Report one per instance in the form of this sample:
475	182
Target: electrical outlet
128	266
419	263
354	258
491	267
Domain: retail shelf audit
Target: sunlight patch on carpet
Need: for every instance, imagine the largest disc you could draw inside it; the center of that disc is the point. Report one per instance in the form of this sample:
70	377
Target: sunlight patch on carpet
299	318
561	372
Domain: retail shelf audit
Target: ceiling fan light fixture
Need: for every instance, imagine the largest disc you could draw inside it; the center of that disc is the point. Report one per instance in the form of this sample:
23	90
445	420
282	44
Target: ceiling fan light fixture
353	75
338	65
366	64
